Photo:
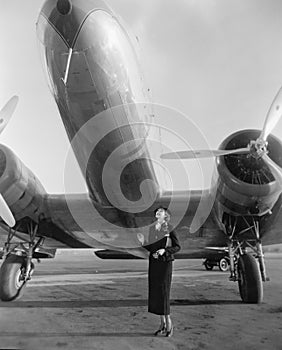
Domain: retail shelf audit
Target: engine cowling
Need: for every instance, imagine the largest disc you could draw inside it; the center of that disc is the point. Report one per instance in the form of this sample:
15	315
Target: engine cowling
246	185
20	188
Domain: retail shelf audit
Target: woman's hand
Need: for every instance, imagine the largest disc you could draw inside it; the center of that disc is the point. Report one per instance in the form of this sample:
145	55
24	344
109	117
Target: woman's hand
159	252
141	238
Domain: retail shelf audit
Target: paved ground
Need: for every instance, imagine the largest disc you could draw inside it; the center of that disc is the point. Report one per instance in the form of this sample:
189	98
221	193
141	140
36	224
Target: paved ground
77	301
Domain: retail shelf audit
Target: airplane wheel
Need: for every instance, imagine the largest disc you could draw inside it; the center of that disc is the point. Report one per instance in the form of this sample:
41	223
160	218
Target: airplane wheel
223	265
249	279
11	280
208	266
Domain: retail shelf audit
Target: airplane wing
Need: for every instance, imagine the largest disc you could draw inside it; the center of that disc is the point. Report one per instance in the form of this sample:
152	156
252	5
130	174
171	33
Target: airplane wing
79	222
75	221
71	221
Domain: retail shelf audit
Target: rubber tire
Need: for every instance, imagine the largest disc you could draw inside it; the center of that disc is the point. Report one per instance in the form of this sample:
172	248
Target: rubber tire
10	287
208	266
249	280
223	265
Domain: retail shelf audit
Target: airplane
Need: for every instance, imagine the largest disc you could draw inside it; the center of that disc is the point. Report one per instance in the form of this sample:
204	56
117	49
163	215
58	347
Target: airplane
96	80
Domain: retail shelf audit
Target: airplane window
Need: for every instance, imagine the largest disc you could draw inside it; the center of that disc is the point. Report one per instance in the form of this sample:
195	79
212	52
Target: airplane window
53	49
49	37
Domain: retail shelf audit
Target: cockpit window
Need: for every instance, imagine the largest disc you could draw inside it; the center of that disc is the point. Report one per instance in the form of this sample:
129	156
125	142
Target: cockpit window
49	36
53	51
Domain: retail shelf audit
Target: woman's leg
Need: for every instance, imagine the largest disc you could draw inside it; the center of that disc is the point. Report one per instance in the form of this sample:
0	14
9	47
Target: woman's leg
163	322
162	328
168	322
169	326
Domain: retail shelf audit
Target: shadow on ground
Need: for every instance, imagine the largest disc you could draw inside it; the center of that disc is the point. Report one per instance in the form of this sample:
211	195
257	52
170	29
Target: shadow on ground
109	303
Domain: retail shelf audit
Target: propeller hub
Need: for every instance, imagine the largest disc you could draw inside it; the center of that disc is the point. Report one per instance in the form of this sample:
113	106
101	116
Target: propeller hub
258	148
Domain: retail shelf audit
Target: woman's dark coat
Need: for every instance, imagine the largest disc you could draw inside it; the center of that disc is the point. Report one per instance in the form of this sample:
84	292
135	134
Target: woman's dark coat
160	269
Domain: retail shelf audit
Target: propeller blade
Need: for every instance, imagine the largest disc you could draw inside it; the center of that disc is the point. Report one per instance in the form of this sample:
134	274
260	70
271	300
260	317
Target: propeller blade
273	116
203	153
6	213
7	112
275	169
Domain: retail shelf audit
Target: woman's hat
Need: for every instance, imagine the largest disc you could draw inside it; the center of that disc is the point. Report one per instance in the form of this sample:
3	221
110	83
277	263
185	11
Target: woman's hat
165	209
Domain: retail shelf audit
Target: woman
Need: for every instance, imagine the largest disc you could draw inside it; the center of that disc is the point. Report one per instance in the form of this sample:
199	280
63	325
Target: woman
162	244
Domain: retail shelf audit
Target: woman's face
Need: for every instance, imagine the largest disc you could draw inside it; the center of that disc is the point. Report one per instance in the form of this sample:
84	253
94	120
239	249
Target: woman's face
160	214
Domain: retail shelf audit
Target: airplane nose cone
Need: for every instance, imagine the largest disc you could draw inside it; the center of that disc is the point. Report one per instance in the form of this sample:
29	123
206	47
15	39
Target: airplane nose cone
66	17
64	7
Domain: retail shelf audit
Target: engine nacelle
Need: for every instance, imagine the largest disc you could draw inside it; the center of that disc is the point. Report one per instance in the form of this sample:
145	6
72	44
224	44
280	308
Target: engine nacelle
246	185
22	191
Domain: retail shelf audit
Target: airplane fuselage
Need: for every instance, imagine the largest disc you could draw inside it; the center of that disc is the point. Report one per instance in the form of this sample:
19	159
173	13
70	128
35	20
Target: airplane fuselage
97	83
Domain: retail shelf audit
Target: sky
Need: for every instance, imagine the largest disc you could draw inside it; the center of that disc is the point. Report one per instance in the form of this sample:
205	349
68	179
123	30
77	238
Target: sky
218	62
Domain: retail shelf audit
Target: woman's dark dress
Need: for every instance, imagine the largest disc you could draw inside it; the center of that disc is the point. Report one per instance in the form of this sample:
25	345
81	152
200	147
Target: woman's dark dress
160	270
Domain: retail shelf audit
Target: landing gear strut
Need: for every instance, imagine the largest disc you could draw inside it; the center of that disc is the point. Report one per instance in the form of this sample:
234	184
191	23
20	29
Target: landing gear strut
17	268
247	265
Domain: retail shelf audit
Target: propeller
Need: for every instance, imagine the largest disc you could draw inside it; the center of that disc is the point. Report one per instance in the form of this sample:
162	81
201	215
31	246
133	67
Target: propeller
203	153
7	112
258	147
5	116
6	213
273	116
275	169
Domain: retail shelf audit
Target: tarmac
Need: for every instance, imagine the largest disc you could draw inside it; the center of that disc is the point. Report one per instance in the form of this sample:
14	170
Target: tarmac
77	301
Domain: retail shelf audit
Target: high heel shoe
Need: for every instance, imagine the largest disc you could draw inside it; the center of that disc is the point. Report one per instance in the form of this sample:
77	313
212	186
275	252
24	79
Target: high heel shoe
161	330
170	332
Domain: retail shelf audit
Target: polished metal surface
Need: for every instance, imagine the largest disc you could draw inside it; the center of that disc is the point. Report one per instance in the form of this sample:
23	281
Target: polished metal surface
97	85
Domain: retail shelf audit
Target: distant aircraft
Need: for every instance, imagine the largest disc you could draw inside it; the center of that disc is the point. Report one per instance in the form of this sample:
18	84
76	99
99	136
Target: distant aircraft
95	78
